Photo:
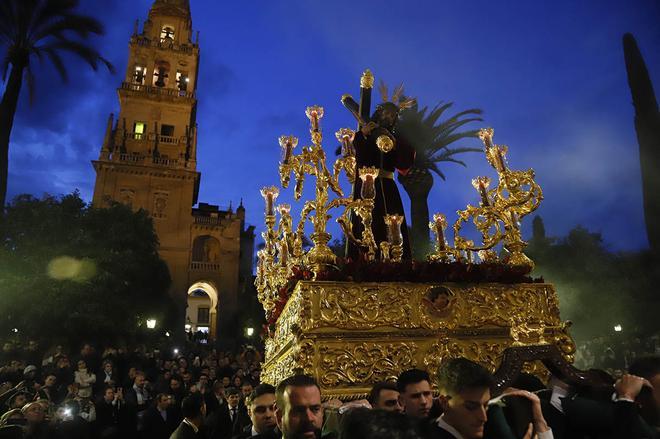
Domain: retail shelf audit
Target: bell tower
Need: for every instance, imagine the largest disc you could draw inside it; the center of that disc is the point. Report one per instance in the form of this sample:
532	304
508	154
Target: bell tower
148	157
148	161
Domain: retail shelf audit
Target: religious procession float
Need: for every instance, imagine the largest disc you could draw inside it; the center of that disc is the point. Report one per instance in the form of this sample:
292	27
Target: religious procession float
353	321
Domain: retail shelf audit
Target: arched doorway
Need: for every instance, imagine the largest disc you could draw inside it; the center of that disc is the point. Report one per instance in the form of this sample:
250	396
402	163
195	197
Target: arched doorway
202	309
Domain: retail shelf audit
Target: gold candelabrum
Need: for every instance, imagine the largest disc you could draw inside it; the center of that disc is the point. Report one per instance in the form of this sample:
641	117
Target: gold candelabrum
498	215
283	248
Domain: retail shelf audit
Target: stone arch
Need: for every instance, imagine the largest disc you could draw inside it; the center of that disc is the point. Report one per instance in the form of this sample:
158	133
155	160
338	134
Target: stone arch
195	300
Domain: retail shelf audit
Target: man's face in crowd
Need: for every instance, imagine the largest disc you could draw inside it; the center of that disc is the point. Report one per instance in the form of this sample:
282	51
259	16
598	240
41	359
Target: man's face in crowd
262	413
109	395
232	400
164	402
246	389
226	381
204	380
417	399
388	400
139	380
34	413
50	381
86	350
466	411
175	384
107	367
302	414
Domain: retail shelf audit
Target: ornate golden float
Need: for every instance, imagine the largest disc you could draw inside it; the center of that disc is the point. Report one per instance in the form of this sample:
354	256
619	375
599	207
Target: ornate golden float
350	335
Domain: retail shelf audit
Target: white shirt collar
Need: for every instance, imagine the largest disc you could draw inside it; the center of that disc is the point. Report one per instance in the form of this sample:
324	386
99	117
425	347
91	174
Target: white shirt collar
443	424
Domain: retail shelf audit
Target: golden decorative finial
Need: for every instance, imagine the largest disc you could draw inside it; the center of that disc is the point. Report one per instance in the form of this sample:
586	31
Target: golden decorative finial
367	79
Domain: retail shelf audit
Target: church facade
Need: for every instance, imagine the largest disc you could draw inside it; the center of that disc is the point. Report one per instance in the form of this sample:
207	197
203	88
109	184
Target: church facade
148	161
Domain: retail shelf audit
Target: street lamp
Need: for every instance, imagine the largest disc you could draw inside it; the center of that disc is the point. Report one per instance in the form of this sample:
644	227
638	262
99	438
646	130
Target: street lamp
249	331
618	328
151	323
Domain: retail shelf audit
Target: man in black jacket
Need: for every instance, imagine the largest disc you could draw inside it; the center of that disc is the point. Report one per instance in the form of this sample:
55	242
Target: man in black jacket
158	421
261	408
193	410
230	419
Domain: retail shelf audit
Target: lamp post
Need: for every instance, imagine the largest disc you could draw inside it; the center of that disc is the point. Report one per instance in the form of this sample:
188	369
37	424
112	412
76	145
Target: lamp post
151	323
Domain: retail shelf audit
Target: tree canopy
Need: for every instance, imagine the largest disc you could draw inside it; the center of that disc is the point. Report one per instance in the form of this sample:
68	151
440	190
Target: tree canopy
73	272
597	288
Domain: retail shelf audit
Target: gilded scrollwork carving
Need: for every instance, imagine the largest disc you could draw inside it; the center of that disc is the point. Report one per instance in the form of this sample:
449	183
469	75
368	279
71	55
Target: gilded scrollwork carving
486	352
350	335
500	305
365	363
365	307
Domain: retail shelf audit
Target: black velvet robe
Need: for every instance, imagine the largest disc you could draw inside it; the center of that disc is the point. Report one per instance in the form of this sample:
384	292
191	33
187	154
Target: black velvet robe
388	201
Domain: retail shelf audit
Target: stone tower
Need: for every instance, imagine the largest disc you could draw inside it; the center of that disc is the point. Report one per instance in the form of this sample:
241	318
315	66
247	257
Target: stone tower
148	161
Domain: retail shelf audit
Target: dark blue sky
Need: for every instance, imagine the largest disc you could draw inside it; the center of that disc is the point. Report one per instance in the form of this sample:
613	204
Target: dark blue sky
549	76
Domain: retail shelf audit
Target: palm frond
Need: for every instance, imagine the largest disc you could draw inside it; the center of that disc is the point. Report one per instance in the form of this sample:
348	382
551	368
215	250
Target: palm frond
50	10
433	167
442	142
30	83
88	54
78	24
431	135
382	89
55	58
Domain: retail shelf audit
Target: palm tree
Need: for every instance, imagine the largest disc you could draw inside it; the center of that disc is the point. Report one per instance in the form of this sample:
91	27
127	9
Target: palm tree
38	28
431	140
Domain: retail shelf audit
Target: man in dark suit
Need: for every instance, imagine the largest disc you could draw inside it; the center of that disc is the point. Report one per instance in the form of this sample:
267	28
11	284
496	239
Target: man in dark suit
158	422
216	398
110	411
261	409
193	410
230	419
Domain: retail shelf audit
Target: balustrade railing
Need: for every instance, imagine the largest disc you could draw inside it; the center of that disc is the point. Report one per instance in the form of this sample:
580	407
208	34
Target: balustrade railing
208	220
165	44
169	140
204	266
161	91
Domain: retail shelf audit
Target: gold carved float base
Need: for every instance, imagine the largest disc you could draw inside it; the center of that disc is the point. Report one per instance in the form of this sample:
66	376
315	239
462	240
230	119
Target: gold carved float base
352	335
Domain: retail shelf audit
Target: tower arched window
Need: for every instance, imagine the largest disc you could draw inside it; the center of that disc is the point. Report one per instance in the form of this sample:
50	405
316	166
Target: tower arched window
182	80
166	33
139	74
161	74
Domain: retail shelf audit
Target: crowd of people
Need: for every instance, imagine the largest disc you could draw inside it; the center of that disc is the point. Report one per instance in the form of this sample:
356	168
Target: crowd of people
209	394
615	352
